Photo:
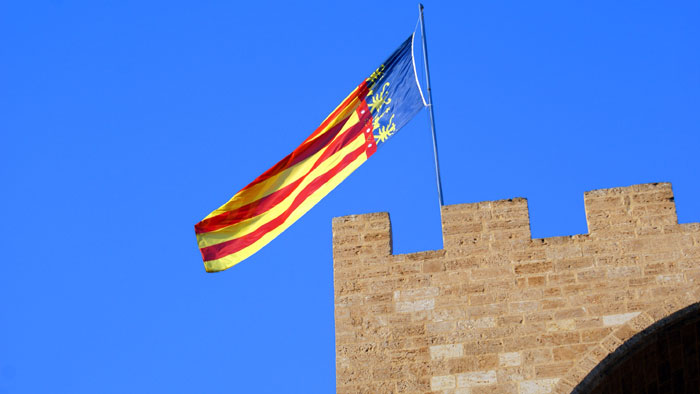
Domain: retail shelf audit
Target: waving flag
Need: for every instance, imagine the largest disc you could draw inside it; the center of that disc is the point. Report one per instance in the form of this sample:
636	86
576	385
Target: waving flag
372	113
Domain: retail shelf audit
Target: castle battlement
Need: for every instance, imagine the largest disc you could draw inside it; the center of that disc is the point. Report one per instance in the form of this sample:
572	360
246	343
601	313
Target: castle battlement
496	311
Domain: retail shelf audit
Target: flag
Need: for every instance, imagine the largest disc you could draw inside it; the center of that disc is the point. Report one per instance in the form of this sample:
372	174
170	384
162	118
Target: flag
366	119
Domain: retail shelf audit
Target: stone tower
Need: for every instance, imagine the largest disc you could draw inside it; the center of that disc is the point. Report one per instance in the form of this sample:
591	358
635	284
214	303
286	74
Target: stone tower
495	311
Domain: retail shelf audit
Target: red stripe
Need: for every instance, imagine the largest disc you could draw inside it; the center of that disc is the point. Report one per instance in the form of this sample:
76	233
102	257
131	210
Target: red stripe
362	90
309	148
247	211
226	248
259	206
304	151
371	143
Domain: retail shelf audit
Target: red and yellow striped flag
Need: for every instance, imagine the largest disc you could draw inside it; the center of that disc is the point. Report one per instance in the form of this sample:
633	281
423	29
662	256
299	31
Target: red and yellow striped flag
374	111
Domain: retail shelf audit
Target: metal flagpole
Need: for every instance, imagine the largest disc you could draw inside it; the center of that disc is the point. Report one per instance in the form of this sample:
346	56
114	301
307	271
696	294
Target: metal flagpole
430	107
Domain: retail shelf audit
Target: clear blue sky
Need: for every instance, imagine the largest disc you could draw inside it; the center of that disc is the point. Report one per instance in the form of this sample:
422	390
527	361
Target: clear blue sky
124	123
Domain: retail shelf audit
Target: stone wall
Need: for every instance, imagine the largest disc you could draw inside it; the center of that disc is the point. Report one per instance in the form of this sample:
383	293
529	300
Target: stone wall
498	312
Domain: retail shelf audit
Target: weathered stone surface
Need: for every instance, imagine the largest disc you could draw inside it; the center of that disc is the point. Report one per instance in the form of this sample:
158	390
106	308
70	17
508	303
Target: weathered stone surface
498	312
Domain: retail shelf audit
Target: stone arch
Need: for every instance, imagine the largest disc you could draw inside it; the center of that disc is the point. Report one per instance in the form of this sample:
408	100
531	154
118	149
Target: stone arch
597	361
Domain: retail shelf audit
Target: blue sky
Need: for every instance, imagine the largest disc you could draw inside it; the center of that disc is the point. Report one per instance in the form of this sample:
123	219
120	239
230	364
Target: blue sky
124	123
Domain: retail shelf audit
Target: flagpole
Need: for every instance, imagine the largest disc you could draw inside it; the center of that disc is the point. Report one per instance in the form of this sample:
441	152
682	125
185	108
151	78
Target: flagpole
430	107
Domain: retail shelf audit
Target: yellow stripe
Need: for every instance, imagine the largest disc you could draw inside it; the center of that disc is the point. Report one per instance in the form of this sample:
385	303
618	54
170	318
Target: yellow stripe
235	258
282	179
249	225
338	117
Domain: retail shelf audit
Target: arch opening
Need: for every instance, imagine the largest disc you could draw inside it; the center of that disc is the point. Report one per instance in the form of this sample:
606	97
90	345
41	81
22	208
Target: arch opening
663	358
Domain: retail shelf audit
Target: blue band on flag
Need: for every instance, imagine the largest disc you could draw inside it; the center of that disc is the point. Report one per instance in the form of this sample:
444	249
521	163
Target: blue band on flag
394	96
